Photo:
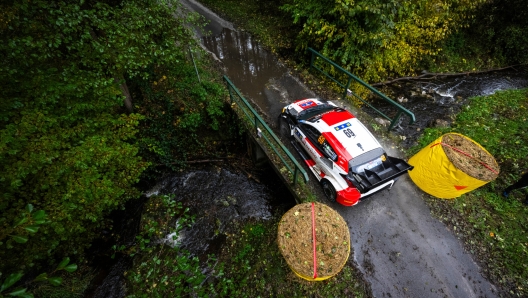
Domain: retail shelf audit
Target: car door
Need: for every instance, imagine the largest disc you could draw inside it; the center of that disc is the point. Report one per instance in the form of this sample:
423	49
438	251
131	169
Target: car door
300	136
318	147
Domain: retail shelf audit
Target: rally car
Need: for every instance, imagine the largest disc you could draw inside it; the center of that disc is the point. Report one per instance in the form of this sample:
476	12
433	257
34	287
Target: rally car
343	155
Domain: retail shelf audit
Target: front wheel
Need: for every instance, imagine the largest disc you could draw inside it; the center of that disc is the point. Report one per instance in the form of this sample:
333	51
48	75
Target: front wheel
329	190
285	128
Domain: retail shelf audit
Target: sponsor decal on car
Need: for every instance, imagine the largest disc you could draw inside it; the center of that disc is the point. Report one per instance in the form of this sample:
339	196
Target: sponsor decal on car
307	103
342	126
341	151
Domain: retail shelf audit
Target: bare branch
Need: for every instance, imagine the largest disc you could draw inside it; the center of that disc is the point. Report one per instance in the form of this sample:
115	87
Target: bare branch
432	75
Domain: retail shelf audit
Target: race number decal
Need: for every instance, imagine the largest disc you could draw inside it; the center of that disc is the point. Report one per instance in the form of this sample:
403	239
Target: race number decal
321	139
349	133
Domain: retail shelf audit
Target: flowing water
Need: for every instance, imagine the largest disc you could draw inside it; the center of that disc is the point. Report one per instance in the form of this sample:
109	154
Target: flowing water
219	196
435	102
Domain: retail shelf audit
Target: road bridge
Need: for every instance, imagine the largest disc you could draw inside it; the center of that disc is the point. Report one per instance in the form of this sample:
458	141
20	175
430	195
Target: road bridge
399	247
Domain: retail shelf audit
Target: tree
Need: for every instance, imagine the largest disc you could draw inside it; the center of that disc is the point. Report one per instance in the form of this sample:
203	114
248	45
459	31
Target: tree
378	38
501	27
65	146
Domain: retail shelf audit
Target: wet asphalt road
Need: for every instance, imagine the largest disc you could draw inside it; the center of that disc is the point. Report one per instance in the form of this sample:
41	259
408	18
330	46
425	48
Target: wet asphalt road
401	250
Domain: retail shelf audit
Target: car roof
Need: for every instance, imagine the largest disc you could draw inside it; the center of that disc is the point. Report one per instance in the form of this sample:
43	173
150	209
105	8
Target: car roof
330	119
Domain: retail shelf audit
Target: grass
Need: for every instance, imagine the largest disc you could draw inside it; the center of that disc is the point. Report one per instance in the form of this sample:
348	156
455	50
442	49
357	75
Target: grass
252	261
493	228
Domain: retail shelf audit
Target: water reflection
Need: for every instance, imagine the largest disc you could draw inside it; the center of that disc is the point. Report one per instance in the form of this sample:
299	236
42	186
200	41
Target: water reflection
249	66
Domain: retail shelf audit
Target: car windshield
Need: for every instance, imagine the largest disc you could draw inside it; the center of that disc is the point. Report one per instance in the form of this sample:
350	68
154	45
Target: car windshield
317	110
358	163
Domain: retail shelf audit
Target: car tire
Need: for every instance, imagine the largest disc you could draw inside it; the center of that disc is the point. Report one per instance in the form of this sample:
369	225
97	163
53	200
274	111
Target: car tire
329	190
284	128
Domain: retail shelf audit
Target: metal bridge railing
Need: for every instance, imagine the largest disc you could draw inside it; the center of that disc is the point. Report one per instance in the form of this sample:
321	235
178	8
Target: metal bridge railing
350	77
266	133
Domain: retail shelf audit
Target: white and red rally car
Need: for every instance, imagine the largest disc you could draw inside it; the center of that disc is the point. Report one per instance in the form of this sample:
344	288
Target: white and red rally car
344	156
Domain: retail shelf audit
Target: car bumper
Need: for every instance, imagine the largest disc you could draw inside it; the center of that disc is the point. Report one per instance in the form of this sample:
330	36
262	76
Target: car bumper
348	196
351	196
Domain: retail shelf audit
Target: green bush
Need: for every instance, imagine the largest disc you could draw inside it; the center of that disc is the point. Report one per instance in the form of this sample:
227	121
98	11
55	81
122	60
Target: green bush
500	27
67	145
378	39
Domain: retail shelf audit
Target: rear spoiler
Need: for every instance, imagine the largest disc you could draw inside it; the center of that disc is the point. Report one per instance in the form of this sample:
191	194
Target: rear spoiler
390	169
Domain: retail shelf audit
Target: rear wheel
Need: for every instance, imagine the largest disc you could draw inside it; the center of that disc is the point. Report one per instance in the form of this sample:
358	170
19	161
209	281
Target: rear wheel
329	190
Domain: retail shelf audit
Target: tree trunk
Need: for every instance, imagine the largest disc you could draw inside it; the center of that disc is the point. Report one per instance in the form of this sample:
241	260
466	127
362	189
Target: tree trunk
432	75
124	88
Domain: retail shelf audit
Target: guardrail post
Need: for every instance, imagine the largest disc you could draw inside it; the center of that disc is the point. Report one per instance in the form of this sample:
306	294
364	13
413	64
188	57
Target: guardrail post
295	175
395	120
256	127
229	90
346	88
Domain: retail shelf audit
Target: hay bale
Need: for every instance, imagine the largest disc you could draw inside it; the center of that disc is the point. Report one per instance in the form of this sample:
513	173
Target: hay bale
469	157
452	165
294	238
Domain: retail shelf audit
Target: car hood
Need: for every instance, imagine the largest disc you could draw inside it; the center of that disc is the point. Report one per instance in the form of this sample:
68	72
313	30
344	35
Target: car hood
359	142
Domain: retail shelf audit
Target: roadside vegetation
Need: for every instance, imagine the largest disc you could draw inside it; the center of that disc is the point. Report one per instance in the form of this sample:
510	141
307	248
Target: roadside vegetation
249	265
377	41
95	99
492	227
486	35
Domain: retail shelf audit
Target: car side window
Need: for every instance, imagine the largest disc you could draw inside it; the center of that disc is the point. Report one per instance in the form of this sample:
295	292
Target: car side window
329	151
310	131
319	141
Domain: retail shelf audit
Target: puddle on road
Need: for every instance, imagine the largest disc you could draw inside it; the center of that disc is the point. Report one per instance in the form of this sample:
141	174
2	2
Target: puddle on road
255	71
248	65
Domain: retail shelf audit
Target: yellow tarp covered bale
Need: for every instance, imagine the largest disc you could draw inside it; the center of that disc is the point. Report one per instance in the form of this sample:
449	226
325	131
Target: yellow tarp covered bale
452	165
332	241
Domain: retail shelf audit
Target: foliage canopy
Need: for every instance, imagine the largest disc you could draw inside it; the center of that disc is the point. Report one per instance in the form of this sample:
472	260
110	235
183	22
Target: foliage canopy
378	38
502	29
66	146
